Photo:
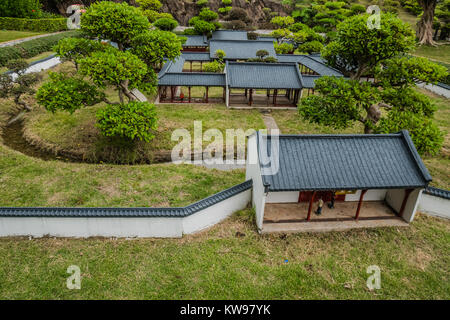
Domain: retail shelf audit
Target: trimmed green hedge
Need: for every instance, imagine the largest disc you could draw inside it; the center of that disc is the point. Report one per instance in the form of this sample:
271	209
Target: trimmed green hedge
20	24
32	48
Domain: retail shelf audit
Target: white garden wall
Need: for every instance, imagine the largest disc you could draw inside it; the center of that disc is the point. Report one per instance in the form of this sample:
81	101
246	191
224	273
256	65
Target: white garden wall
120	226
370	195
435	206
394	198
253	172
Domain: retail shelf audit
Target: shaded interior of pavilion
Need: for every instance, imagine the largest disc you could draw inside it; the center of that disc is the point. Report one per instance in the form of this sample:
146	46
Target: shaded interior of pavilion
337	215
264	97
191	94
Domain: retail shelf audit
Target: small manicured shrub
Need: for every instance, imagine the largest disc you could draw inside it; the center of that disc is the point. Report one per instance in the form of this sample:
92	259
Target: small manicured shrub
283	48
214	66
227	2
132	121
20	9
165	24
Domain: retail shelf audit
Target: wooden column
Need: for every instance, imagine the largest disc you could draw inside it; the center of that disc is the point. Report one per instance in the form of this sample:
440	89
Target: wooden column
206	95
245	93
171	93
191	67
360	203
159	93
250	100
308	217
275	92
189	90
224	94
405	200
201	66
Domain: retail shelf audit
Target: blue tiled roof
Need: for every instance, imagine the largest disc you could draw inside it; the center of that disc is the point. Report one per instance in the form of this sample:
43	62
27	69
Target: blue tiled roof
445	194
260	75
346	162
308	81
192	79
240	49
229	35
195	56
311	63
126	212
195	41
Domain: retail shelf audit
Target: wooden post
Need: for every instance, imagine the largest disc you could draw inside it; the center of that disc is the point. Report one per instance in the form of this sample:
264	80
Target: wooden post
224	94
171	93
405	199
275	92
360	203
310	206
250	100
159	93
201	66
245	93
191	67
189	90
206	94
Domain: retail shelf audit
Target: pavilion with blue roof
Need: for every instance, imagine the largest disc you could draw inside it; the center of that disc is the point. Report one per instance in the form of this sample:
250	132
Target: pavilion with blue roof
242	83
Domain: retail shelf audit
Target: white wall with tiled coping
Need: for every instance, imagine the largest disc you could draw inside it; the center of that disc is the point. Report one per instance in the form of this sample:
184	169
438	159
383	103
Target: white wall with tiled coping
130	227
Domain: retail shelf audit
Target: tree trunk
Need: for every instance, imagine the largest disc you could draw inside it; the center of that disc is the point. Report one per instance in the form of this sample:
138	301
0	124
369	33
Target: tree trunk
425	25
21	103
373	116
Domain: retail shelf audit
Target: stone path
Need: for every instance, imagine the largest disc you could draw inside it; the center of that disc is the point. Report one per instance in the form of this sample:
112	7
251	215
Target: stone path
17	41
270	122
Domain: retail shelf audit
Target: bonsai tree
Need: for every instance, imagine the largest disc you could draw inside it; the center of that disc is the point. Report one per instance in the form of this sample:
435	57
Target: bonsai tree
358	49
262	53
166	24
101	66
217	65
390	103
117	22
205	22
18	83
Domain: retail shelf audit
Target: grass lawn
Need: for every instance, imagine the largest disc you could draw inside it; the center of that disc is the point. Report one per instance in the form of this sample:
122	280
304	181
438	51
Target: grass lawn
440	53
216	264
8	35
25	181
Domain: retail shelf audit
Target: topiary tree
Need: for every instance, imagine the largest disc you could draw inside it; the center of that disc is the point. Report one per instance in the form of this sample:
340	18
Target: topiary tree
65	93
18	83
118	22
154	46
384	106
262	53
284	48
72	49
165	24
358	49
102	66
154	5
130	122
282	22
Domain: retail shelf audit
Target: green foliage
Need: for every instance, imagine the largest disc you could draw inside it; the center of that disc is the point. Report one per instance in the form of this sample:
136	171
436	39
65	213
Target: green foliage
32	48
282	22
113	67
412	6
67	93
154	5
283	48
165	24
227	2
310	47
408	71
20	9
118	22
155	45
238	14
132	121
208	15
409	100
202	3
357	8
224	10
359	49
427	137
214	66
262	53
201	26
38	25
339	103
72	49
220	54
